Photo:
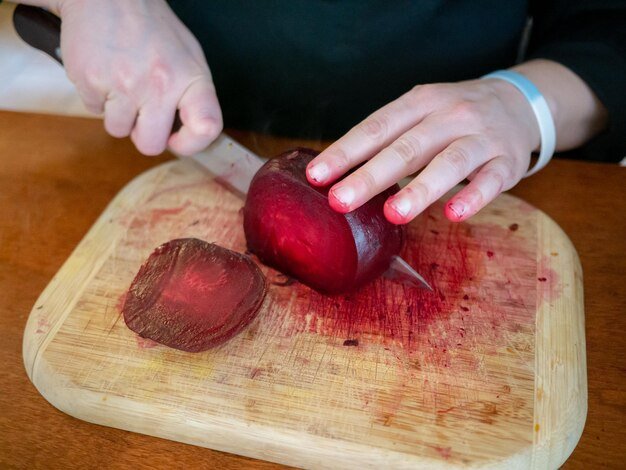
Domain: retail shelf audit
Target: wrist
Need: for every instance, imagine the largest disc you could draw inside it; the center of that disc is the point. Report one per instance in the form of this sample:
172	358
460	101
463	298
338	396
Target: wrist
521	109
542	84
541	111
578	113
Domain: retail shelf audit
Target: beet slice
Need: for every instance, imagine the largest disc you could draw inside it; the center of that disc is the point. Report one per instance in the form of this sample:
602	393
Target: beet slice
290	226
192	295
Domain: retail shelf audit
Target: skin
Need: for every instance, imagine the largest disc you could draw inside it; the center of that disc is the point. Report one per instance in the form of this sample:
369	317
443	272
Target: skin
480	130
137	63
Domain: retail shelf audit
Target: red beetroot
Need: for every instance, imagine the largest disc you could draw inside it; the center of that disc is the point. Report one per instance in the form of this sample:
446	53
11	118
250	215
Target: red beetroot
192	295
289	225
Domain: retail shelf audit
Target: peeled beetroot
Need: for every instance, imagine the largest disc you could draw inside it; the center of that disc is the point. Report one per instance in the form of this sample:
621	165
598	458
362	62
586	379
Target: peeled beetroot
192	295
290	226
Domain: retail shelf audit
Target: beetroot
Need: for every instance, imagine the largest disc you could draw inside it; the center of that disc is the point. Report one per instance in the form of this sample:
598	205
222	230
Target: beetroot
290	226
192	295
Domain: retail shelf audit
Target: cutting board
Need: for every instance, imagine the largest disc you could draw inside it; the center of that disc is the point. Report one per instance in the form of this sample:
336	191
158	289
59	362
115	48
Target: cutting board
489	370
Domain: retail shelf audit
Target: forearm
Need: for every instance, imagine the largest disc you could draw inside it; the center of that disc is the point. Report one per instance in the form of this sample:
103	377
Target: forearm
578	114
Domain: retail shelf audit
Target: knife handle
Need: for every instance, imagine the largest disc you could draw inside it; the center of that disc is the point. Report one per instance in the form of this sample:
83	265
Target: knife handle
39	28
42	30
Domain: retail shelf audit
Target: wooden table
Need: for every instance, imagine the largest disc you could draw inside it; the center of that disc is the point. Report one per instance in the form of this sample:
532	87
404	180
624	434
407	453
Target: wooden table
57	174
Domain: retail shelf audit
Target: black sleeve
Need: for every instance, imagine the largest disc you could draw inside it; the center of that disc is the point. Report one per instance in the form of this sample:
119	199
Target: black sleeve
588	37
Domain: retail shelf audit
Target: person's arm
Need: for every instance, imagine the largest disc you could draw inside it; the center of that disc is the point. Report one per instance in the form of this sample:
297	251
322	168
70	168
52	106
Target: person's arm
577	112
137	63
485	130
482	130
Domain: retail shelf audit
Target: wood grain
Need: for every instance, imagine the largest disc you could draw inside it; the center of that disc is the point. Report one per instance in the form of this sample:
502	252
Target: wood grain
39	230
458	389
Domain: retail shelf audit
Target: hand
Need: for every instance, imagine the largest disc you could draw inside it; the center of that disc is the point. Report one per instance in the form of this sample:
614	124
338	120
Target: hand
482	130
137	63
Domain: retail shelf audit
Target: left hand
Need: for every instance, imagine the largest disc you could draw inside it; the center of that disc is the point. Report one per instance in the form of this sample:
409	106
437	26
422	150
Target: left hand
482	130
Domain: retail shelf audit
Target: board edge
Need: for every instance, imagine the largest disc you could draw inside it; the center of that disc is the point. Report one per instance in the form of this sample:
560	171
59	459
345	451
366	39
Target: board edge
34	341
559	420
540	455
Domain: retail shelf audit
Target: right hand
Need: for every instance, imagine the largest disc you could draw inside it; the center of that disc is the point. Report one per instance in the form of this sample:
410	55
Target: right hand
136	62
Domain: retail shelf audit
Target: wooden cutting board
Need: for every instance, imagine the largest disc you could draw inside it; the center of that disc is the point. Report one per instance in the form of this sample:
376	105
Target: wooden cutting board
487	371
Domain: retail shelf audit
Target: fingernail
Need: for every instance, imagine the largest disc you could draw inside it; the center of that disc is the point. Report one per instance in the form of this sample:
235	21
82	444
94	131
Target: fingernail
319	172
344	194
402	206
457	208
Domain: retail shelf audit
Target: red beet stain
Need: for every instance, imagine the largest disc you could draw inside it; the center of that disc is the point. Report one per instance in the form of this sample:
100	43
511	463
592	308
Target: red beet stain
391	315
145	343
392	312
120	302
550	287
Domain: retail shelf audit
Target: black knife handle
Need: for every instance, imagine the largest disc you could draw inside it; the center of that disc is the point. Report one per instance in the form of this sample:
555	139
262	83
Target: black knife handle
42	30
39	28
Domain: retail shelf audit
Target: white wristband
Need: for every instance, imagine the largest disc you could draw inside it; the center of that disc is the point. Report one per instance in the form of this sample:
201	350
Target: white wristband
541	110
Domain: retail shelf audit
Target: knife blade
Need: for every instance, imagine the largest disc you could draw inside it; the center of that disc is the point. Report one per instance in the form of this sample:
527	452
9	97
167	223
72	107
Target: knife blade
230	163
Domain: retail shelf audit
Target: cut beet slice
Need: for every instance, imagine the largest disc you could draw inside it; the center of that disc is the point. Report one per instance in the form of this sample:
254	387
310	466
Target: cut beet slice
290	226
192	295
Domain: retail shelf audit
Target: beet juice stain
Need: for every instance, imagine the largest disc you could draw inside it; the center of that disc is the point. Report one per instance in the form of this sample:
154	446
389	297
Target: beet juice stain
391	312
452	257
469	305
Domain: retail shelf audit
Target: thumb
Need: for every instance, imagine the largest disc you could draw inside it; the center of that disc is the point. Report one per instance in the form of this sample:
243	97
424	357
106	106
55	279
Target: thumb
201	118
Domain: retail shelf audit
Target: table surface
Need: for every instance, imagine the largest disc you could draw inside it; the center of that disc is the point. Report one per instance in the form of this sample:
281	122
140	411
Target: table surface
57	174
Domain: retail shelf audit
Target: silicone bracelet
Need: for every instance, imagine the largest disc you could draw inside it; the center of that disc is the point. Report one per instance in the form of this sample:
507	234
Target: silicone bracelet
541	110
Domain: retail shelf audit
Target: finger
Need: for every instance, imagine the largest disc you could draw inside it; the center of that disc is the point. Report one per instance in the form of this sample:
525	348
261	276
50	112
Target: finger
493	178
152	127
405	156
120	114
473	174
370	136
446	170
201	118
92	98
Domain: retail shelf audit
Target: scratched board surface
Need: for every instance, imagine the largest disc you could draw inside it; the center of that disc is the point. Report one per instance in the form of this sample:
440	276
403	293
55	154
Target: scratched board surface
388	375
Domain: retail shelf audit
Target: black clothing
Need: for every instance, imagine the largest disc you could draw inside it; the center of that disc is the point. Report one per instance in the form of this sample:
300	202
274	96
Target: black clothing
315	68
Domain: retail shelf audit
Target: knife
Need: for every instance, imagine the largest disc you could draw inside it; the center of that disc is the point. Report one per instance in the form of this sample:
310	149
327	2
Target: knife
42	30
229	162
